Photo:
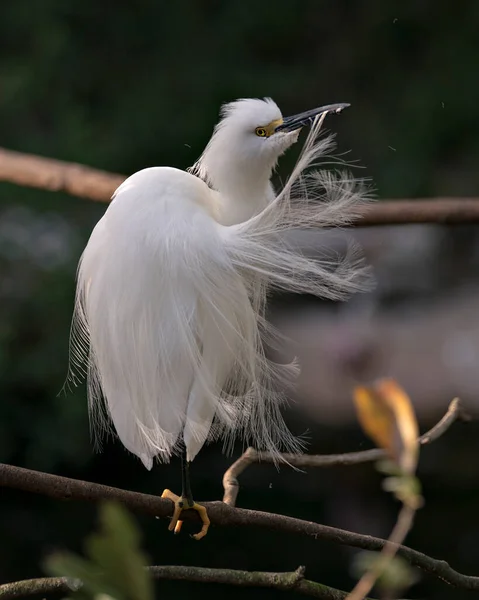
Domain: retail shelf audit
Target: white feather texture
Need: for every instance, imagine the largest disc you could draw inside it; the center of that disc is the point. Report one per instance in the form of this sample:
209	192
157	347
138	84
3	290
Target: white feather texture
170	308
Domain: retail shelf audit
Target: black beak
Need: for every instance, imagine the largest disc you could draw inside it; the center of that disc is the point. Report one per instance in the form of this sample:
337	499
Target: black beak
307	118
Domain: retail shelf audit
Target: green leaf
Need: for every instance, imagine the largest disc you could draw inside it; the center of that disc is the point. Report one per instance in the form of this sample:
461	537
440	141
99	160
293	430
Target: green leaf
92	580
115	563
396	576
116	550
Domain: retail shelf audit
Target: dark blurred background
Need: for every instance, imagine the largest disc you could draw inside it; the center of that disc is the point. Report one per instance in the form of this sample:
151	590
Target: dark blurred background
123	85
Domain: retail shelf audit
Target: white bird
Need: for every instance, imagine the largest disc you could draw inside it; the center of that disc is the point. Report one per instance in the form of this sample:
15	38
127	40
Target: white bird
169	319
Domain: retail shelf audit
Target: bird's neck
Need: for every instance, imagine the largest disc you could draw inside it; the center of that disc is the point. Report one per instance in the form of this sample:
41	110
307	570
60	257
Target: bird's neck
243	193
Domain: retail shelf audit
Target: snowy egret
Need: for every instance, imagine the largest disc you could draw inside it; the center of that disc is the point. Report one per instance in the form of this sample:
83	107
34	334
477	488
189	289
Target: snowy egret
169	319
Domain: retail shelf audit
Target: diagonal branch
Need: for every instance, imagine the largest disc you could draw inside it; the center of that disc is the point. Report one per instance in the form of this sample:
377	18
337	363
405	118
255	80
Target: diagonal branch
454	412
293	581
93	184
220	514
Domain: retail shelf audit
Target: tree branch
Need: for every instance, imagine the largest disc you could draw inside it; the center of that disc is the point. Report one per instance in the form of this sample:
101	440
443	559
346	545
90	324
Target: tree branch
454	412
220	514
30	587
93	184
443	211
293	581
57	176
403	525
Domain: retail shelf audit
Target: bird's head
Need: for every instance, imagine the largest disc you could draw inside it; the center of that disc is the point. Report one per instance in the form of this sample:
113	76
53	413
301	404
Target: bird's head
250	137
252	127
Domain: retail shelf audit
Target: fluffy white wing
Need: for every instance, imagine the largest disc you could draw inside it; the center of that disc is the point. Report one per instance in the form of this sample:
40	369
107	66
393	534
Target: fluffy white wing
166	324
136	306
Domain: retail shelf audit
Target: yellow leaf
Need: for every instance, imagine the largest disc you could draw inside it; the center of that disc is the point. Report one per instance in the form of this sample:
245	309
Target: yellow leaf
386	415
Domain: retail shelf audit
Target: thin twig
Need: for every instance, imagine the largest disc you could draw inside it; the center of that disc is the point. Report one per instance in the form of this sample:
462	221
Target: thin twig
398	535
400	423
293	581
230	478
454	412
86	182
220	515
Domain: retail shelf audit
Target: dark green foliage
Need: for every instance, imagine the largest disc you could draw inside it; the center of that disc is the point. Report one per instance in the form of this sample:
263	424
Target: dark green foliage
115	564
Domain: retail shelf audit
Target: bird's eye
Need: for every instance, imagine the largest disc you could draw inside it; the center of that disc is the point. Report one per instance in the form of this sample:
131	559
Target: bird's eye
260	131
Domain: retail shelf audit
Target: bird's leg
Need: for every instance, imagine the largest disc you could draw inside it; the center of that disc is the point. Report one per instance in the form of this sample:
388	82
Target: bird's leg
185	501
185	480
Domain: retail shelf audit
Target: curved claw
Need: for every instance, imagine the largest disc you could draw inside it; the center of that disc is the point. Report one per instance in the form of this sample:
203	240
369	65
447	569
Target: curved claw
182	504
201	510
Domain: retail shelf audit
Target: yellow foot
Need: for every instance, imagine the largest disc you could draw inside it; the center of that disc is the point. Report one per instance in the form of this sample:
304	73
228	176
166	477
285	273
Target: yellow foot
182	504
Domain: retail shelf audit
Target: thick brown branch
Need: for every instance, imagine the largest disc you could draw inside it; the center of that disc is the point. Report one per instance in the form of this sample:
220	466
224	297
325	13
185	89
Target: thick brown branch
293	581
221	515
85	182
454	412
